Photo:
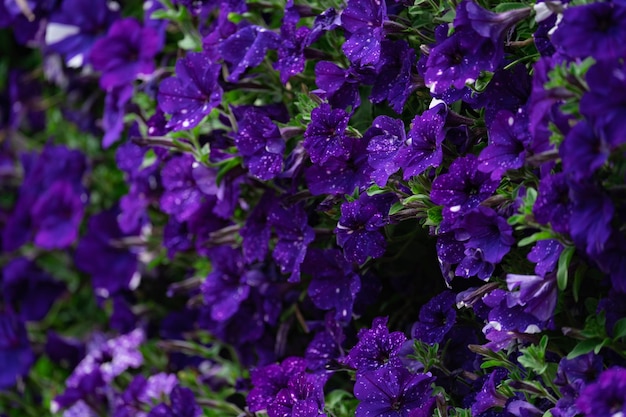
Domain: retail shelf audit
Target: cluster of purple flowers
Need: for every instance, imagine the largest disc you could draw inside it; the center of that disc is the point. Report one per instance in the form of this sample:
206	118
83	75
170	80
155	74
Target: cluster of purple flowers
284	203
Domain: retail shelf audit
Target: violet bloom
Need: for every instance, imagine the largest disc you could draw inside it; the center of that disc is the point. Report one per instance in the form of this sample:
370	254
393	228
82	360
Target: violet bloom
127	51
538	295
246	49
592	213
269	380
182	196
508	139
325	349
334	284
294	236
16	356
303	397
182	404
553	205
74	28
293	41
489	397
483	229
424	141
363	21
115	104
29	288
376	348
436	318
604	105
340	86
545	255
225	288
606	397
101	253
597	29
583	151
338	176
193	93
392	392
261	145
463	187
359	228
325	134
396	79
385	138
51	200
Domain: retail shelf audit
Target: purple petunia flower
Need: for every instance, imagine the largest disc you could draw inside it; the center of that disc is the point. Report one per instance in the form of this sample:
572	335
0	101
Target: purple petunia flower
246	48
463	187
396	79
182	196
74	28
385	138
193	93
16	355
363	21
485	230
376	348
583	151
489	397
358	231
334	284
597	29
115	267
605	397
325	348
553	205
508	139
294	236
29	288
324	136
391	392
127	51
261	145
423	148
592	213
303	397
436	318
340	86
545	255
115	104
538	295
182	404
269	380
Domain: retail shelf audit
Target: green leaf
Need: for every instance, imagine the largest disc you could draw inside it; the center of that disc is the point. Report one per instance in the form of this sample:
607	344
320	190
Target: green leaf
149	159
396	208
619	329
563	267
584	346
435	215
535	237
505	7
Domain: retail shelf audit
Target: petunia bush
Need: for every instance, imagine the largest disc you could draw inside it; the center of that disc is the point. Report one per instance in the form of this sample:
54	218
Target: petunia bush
323	208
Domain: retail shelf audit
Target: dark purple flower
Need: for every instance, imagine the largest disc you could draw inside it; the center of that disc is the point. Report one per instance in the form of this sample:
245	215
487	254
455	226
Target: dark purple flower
127	51
193	93
182	404
538	295
474	264
325	348
376	348
246	48
359	228
303	397
363	21
102	254
508	139
391	392
573	374
605	104
52	190
553	205
545	255
261	145
324	136
182	196
463	187
338	176
30	289
583	151
423	148
396	79
114	111
592	213
340	86
606	396
225	288
334	284
597	29
74	28
488	396
385	138
436	318
269	380
485	230
16	356
67	352
293	41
